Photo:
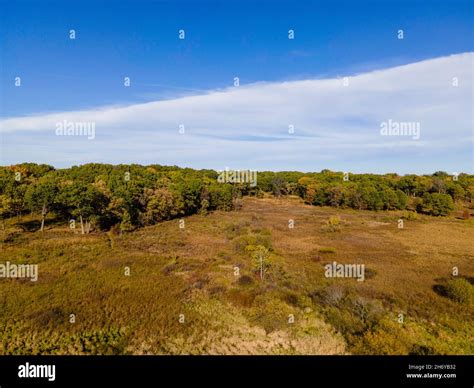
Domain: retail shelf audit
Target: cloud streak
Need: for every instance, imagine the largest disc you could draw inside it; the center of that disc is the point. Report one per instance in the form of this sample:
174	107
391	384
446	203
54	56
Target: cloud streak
335	125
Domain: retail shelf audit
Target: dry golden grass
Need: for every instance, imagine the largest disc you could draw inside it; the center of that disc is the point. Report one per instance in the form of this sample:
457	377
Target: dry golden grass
191	272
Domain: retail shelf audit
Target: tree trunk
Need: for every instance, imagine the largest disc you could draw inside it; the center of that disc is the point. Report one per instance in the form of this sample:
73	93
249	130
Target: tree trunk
43	216
82	224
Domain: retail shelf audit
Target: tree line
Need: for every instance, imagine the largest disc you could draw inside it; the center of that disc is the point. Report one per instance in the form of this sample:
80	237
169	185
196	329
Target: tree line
103	195
434	194
129	196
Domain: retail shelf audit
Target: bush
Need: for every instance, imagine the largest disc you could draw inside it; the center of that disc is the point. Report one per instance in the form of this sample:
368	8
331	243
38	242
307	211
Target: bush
126	225
241	243
327	250
245	280
370	273
410	215
270	313
437	204
384	341
459	290
332	224
333	294
220	197
291	298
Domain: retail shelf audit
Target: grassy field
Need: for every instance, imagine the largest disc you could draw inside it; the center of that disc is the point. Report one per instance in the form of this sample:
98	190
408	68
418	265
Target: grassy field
182	295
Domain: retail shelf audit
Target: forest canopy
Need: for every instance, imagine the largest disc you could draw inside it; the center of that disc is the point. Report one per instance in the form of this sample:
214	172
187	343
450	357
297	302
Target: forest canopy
102	196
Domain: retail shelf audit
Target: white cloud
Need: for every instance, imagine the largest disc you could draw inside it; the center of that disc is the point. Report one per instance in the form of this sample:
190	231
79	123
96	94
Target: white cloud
336	126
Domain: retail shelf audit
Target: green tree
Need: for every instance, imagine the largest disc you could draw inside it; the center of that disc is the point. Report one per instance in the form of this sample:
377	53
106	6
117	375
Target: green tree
41	196
83	201
220	196
160	205
455	190
260	255
6	208
437	204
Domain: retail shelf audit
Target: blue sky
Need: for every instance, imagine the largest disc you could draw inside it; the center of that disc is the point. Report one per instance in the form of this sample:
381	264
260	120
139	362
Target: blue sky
223	40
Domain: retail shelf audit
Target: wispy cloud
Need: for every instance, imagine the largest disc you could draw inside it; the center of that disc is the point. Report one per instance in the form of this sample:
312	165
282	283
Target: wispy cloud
335	125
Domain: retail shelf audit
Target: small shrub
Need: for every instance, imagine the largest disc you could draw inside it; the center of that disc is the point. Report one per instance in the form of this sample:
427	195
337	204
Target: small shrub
333	294
241	243
370	273
384	341
327	250
344	321
333	224
410	215
459	290
368	311
291	298
217	290
245	280
236	229
270	313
